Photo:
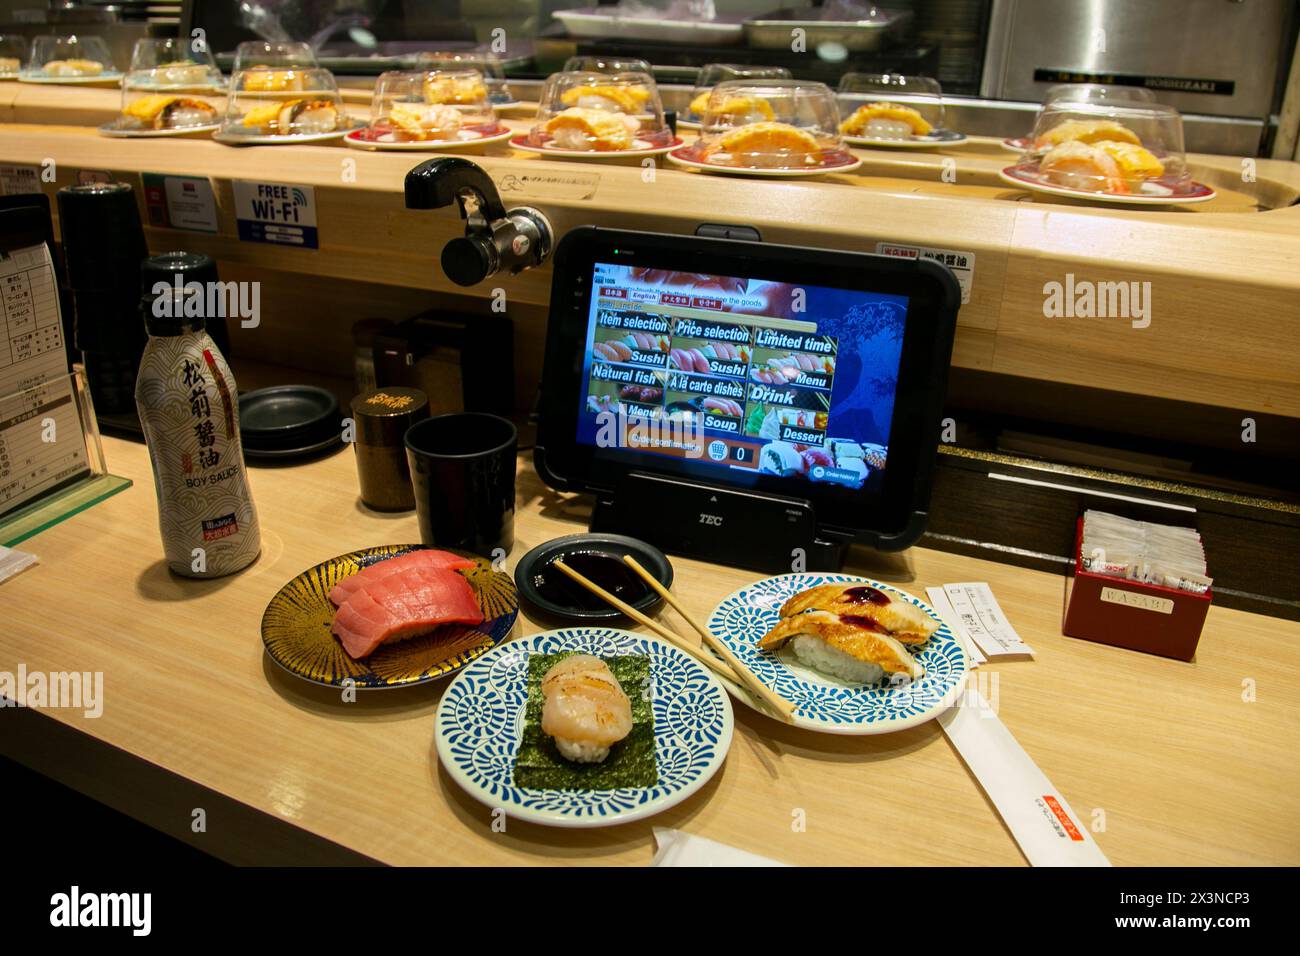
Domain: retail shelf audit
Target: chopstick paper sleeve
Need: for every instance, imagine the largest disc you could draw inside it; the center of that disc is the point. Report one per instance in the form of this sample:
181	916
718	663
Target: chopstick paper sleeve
1048	831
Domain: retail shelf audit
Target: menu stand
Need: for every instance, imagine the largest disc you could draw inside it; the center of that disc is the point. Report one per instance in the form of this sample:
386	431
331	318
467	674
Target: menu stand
738	527
51	458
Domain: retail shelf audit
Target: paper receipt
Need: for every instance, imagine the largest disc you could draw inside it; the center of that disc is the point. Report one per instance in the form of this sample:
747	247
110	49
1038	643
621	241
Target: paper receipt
978	614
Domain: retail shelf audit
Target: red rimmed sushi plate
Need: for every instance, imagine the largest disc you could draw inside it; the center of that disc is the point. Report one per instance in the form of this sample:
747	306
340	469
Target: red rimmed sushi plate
1155	192
372	139
694	157
829	704
296	627
640	148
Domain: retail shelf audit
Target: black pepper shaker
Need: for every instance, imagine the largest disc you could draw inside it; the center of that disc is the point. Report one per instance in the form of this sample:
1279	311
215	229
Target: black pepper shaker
382	418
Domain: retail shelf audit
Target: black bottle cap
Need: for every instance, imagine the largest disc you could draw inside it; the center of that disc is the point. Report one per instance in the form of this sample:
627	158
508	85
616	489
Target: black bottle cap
190	266
169	303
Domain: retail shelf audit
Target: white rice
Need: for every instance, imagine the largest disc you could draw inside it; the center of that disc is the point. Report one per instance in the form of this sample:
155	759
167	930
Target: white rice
830	660
580	751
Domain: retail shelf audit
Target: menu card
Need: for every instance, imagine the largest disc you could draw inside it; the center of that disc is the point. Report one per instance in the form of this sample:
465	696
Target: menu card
42	445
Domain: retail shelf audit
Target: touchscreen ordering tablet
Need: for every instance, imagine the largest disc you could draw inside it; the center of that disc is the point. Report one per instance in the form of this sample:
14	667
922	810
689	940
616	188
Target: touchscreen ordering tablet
810	373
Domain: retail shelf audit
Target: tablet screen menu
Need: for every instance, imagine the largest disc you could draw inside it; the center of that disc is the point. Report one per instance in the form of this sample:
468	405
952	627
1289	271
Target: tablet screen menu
746	376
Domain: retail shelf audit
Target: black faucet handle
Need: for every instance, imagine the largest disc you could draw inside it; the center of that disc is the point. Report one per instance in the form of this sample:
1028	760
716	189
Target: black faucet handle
440	182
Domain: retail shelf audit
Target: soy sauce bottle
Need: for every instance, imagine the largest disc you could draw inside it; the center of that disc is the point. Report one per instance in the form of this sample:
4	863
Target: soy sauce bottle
186	398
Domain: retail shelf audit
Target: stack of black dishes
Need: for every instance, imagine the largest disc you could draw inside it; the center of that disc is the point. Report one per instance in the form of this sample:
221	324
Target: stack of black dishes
103	243
289	421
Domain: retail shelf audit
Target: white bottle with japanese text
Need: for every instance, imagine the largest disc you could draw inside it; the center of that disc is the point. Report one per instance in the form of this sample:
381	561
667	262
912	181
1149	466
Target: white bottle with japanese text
188	408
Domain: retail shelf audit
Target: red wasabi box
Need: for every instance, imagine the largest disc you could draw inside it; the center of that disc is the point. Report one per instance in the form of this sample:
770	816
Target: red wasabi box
1124	613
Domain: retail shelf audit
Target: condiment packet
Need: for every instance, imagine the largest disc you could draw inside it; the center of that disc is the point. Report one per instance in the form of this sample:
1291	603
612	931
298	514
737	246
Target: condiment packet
11	562
1119	547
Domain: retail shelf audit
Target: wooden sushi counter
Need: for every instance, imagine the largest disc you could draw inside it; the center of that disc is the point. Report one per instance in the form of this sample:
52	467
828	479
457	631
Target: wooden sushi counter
1192	764
1218	273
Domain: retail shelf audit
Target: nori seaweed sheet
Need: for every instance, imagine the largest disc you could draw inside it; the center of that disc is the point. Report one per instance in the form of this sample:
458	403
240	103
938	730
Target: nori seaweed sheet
631	761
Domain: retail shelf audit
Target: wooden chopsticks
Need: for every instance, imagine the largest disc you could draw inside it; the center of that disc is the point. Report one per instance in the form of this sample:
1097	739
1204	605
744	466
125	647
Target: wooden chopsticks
729	666
777	703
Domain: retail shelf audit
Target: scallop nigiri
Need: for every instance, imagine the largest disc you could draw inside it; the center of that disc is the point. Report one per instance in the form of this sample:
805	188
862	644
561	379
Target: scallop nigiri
586	710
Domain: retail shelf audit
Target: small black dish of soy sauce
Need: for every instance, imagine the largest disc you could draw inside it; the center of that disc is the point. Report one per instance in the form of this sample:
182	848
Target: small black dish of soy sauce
548	594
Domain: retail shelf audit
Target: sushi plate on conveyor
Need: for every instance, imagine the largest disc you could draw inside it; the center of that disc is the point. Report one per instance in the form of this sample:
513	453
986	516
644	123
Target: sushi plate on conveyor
299	622
830	697
504	738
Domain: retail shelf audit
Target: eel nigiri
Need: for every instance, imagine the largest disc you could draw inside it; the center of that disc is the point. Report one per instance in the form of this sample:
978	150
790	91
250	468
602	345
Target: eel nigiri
586	711
903	621
843	645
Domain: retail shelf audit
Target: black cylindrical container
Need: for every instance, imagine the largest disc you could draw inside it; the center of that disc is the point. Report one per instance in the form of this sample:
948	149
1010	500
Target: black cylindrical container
463	472
103	243
382	418
101	230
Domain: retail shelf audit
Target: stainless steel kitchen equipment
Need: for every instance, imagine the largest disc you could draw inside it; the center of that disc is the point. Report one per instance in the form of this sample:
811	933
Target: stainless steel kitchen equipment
1212	57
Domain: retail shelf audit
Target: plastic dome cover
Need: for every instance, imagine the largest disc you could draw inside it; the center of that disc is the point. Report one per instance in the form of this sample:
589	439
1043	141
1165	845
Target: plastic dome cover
596	63
487	63
600	111
431	106
890	106
770	124
286	55
270	101
714	73
13	50
1098	93
169	63
72	55
1104	146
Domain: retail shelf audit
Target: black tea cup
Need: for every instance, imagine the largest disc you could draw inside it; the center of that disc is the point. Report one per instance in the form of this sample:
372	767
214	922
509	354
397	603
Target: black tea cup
463	473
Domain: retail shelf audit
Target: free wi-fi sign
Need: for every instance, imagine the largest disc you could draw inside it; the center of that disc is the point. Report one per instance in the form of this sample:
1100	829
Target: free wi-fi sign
276	213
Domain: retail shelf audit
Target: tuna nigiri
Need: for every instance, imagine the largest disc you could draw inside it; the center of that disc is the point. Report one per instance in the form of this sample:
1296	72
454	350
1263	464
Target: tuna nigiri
382	569
412	600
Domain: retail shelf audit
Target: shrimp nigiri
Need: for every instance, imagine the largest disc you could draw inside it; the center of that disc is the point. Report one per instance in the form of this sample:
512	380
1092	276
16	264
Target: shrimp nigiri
586	710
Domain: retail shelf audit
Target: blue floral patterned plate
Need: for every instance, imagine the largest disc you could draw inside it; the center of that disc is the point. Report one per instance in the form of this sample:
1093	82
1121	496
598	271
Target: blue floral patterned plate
480	720
824	703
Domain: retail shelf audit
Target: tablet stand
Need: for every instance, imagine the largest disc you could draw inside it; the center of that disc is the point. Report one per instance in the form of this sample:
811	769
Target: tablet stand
738	527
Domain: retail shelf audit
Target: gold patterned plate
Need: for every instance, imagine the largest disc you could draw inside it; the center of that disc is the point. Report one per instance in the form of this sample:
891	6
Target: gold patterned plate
296	627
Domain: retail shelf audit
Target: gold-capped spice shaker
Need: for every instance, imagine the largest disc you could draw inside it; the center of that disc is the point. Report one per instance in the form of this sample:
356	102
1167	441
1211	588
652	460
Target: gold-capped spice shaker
382	417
